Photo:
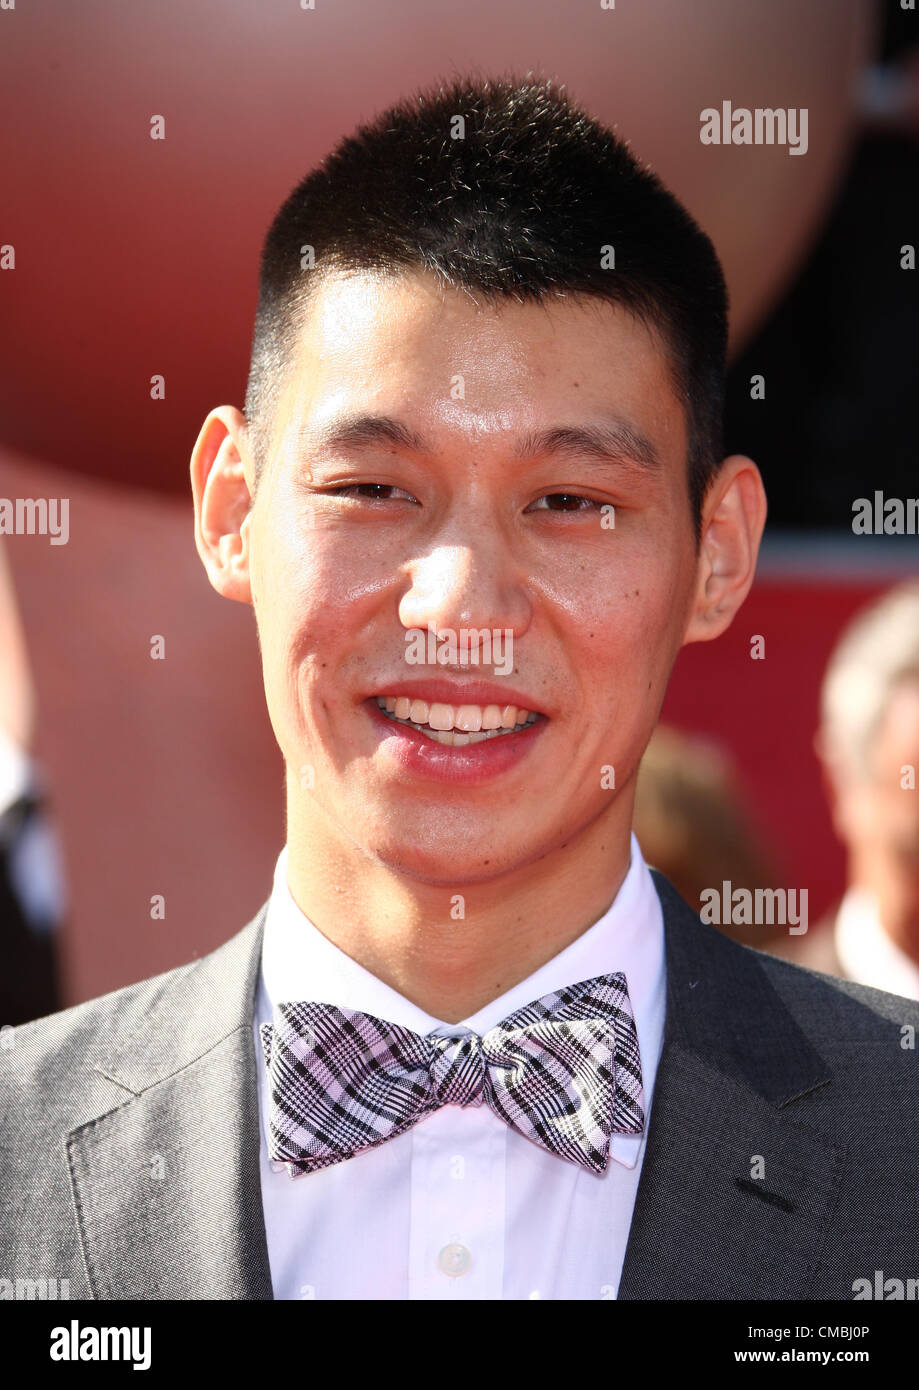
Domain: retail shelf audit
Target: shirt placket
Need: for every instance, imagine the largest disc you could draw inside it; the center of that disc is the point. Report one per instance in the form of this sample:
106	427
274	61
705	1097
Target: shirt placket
456	1240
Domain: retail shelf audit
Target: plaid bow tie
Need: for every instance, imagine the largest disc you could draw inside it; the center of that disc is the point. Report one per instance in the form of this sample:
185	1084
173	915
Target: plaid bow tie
564	1071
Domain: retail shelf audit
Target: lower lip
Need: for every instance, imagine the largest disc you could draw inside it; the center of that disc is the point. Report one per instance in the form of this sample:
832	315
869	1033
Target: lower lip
468	765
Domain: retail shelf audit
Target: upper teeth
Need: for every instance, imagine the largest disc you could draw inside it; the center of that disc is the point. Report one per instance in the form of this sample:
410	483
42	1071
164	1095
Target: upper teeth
467	719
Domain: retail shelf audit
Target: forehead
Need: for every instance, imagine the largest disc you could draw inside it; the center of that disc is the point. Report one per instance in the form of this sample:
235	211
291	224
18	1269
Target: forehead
407	343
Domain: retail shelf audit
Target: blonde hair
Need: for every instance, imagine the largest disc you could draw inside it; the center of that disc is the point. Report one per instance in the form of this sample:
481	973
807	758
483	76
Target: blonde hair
877	651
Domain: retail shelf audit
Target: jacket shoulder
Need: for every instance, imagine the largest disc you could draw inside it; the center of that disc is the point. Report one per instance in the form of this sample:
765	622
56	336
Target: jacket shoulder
805	983
60	1062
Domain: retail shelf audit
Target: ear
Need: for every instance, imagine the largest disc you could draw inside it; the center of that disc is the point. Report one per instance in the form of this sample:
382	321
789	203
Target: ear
222	484
733	517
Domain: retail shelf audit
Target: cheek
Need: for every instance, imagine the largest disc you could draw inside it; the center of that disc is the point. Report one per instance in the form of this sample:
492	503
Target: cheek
623	609
317	587
862	816
307	573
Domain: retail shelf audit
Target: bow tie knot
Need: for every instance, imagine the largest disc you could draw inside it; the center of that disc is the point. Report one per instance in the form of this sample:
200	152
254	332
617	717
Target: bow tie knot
457	1069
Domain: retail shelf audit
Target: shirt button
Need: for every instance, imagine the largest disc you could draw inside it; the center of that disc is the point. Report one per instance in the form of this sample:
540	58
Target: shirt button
454	1260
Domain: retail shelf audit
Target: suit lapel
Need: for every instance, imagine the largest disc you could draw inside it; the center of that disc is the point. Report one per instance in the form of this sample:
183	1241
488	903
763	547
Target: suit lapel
166	1186
736	1186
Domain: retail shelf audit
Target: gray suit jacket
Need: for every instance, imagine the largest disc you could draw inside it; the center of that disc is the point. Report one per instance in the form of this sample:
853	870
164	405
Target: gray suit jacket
129	1134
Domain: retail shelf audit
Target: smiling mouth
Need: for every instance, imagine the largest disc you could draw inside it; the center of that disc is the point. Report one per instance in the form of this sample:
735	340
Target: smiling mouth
456	725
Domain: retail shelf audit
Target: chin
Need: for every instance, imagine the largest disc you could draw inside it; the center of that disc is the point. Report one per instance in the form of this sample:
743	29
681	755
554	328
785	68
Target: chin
441	859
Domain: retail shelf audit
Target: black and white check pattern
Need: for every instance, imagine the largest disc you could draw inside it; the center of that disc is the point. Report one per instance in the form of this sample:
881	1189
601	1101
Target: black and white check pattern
564	1071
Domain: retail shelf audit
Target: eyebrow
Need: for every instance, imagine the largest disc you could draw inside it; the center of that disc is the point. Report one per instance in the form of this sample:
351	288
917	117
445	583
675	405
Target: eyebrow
611	441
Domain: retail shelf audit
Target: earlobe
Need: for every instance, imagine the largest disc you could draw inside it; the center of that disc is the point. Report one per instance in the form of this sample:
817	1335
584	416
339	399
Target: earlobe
734	516
220	474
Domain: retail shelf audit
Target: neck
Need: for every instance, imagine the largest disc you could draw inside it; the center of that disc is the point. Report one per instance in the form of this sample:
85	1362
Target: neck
410	934
895	910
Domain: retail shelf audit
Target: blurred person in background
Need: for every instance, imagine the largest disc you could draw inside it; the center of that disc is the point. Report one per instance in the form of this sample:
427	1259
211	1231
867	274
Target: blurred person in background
868	745
693	824
31	899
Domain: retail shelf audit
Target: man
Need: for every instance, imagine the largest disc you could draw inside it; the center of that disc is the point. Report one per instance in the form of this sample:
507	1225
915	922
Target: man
471	1047
868	744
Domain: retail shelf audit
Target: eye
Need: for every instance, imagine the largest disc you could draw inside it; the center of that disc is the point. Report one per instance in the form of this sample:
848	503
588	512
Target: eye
570	502
371	492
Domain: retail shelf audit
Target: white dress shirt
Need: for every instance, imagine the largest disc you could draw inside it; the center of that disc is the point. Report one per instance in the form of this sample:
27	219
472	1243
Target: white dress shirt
460	1206
866	953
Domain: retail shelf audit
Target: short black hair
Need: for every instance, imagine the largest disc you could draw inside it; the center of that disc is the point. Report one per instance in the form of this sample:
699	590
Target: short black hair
518	200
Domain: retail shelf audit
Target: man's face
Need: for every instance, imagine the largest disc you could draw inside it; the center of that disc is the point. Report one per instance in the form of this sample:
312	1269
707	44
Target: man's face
354	546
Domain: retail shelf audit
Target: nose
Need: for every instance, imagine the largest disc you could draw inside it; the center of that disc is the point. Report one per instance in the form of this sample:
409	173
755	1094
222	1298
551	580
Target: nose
466	586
